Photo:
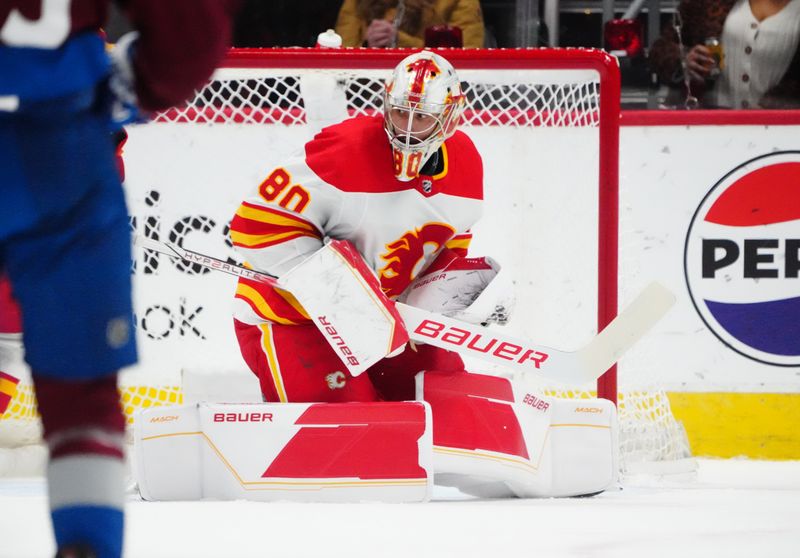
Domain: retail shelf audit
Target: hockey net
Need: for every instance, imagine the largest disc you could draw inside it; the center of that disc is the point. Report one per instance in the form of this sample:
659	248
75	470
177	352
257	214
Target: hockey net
546	122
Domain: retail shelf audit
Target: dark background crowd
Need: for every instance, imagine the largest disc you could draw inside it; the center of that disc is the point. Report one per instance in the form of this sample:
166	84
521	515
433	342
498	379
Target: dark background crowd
735	54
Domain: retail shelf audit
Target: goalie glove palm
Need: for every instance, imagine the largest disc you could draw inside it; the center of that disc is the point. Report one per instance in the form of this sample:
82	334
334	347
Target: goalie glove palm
468	289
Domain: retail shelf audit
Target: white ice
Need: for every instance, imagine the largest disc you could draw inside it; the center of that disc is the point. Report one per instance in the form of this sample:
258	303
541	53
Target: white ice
734	508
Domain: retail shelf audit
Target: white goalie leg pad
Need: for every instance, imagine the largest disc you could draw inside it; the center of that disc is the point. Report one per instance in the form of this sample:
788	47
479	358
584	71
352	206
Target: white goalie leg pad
319	452
584	446
494	438
167	450
344	299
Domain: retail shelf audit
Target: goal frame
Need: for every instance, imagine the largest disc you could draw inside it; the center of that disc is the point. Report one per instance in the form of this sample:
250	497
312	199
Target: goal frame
607	68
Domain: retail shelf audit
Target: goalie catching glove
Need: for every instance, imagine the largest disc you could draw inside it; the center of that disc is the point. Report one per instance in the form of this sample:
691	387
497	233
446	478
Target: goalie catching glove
469	289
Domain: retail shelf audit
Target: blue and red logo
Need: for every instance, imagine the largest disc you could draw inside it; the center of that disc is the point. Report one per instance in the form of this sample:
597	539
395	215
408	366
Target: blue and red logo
742	259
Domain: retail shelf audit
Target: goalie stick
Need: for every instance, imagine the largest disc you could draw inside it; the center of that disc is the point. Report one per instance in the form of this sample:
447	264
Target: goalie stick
190	256
569	367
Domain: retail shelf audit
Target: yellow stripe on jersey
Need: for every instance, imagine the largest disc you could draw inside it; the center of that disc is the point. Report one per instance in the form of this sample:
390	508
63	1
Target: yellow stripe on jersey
459	242
444	164
292	301
263	240
259	304
272	361
273	217
257	227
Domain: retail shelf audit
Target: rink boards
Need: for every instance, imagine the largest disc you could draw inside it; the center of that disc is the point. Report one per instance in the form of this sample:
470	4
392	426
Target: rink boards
185	182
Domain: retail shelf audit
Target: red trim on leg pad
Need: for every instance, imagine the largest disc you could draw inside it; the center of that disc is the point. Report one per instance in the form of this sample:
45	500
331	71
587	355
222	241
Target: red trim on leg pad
81	417
473	412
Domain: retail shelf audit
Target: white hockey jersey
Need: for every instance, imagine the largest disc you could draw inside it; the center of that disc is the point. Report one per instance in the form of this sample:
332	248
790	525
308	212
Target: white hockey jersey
345	188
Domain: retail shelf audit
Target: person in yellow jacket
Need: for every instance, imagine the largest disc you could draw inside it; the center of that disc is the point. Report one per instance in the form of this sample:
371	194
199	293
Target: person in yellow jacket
402	23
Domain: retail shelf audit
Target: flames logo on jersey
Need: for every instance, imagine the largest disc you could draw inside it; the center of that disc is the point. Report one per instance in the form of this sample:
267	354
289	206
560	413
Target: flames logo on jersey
406	256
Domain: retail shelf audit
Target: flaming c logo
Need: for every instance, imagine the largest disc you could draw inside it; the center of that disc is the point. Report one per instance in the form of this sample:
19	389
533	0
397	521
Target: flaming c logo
405	256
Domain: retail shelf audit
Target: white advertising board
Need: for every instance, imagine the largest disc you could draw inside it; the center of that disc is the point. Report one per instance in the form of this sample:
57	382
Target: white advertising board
689	192
185	182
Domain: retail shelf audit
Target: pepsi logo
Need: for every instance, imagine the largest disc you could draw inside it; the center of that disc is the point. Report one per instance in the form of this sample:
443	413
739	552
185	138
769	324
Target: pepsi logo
742	259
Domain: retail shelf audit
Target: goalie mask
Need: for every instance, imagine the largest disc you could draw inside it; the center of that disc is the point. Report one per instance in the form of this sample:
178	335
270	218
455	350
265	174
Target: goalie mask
422	107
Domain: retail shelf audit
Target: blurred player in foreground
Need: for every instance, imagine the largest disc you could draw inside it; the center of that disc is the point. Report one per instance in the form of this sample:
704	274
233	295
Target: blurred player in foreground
406	203
64	234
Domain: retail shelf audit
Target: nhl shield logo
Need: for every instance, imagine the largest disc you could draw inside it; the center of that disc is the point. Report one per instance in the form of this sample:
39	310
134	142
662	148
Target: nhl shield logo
742	259
427	185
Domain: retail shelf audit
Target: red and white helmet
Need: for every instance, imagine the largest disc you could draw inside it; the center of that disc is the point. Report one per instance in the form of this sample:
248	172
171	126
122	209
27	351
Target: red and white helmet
423	104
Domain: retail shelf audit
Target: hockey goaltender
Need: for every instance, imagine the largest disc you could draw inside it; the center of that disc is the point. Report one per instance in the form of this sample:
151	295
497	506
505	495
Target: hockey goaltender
357	344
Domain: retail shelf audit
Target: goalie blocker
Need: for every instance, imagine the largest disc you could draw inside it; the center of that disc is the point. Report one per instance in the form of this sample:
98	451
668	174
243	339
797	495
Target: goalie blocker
486	435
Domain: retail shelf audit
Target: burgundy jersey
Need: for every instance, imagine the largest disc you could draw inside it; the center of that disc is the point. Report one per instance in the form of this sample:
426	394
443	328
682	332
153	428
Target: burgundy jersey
52	49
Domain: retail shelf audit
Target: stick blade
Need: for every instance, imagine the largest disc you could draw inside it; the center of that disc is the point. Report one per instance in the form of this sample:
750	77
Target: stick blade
627	328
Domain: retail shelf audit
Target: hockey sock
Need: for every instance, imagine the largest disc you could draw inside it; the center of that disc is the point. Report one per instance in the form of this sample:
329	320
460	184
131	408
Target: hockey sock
84	430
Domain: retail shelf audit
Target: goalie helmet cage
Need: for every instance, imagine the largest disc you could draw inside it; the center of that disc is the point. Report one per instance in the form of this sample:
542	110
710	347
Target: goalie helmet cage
261	93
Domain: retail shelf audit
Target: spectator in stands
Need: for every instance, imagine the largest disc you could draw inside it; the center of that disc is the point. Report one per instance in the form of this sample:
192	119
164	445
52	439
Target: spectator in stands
760	42
402	23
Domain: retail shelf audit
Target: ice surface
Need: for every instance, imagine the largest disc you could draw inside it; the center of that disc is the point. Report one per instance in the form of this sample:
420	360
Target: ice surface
734	508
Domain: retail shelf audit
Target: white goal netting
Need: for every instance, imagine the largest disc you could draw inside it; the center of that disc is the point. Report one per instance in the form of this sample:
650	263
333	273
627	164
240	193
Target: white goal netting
546	124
